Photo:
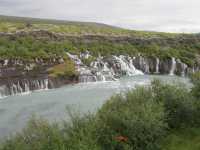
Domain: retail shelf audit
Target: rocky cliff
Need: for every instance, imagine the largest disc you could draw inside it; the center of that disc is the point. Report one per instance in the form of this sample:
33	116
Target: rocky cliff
19	75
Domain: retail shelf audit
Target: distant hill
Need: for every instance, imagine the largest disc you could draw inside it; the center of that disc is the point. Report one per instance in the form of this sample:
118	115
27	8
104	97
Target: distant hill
13	24
49	21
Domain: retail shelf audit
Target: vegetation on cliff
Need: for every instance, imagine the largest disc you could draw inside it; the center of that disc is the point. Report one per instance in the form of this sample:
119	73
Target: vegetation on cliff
32	38
66	69
146	118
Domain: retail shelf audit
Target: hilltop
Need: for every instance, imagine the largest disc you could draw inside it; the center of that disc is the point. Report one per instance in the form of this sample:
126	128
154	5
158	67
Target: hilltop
13	24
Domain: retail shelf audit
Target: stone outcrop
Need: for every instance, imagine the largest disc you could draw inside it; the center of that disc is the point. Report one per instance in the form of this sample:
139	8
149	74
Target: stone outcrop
19	76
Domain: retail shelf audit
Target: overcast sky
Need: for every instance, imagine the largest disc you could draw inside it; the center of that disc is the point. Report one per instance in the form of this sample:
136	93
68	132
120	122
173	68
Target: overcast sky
156	15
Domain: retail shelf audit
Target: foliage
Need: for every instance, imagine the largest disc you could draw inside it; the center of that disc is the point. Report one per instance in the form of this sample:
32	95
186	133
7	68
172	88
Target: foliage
97	38
195	78
38	135
179	103
66	69
134	116
28	48
182	139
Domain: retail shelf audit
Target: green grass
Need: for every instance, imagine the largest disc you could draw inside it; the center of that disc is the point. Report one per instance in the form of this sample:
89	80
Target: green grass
66	69
12	24
106	40
183	139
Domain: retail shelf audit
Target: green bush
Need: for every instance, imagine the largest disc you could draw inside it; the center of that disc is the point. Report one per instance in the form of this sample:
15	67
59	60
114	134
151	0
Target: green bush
178	101
195	79
135	116
38	135
65	70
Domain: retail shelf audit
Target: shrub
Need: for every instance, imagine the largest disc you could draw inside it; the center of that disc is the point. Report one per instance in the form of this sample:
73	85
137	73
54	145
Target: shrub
178	102
66	70
38	135
135	118
80	134
195	79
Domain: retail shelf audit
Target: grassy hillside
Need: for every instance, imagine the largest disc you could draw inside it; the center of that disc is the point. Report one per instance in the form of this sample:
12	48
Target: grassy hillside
12	24
97	38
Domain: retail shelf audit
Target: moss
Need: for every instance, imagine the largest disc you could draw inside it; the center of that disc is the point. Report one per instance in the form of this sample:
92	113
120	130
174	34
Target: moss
66	70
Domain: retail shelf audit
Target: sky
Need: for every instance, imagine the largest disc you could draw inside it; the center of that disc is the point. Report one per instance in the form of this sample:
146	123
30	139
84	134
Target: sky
153	15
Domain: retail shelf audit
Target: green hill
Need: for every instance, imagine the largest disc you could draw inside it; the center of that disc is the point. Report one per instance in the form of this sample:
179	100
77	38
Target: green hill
12	24
30	37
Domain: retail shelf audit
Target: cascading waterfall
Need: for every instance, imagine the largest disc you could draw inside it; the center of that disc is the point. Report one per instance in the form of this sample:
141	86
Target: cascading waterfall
26	88
23	87
144	65
110	68
127	66
157	65
184	67
133	69
75	58
173	67
101	70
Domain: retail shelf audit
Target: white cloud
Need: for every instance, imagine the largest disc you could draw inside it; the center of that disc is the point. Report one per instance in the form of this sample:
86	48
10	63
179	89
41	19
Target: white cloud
157	15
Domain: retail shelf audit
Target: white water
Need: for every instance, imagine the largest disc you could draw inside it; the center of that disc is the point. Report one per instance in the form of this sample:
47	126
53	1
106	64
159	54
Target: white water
157	66
23	87
127	66
173	67
16	110
100	70
184	67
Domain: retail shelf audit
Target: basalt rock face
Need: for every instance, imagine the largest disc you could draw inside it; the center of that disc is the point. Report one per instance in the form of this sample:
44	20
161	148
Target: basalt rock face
19	77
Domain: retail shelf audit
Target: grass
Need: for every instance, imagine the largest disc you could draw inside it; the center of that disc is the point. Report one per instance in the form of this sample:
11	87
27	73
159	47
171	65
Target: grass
183	139
104	39
12	24
66	69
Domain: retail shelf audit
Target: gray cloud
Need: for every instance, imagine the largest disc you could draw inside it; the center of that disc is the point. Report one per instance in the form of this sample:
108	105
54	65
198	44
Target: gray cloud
157	15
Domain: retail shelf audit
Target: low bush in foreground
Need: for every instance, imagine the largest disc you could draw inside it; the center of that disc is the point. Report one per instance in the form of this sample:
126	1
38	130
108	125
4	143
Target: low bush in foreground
140	119
182	139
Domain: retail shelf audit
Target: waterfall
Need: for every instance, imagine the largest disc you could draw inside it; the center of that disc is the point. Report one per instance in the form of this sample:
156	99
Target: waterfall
157	65
133	69
173	67
75	58
144	65
87	78
98	71
193	70
46	83
104	69
127	66
2	92
23	86
184	67
26	88
19	88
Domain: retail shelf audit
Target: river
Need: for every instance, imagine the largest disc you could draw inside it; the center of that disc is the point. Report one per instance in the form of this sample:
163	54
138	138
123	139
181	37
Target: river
15	111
